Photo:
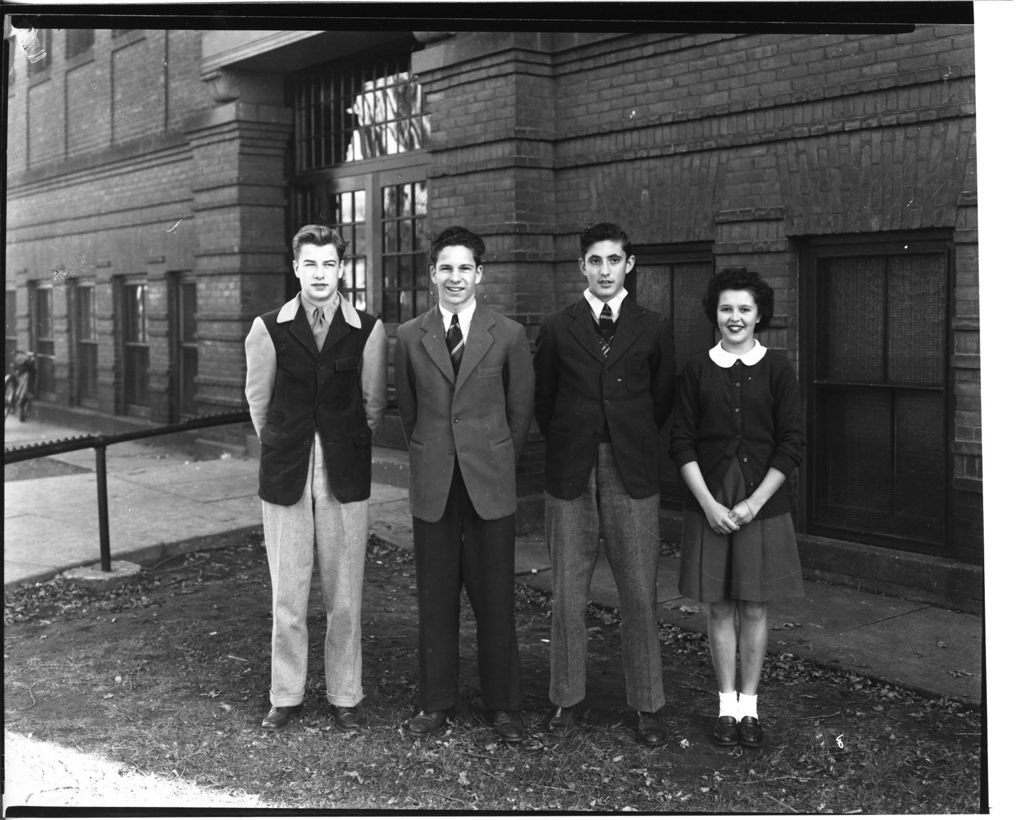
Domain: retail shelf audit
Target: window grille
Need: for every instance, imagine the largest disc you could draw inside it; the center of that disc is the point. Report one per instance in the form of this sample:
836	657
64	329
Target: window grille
405	286
357	111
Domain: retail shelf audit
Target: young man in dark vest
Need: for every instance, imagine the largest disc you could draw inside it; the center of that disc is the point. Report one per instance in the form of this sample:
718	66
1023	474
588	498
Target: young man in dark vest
465	393
605	371
316	385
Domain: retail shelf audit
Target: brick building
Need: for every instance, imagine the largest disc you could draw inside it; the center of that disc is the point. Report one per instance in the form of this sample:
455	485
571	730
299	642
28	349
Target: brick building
156	176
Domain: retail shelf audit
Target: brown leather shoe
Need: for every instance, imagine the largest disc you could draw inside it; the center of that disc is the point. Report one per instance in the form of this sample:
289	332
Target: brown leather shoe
426	724
564	718
346	717
279	717
725	732
750	732
508	726
650	731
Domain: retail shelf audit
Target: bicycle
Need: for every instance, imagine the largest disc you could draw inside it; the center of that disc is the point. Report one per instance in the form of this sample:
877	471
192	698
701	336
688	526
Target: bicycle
18	386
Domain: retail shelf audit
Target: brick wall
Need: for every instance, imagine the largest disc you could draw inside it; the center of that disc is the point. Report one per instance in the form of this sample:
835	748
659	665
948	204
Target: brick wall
745	142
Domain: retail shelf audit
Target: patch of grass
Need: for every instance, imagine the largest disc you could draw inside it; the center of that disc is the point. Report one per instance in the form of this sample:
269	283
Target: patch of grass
168	679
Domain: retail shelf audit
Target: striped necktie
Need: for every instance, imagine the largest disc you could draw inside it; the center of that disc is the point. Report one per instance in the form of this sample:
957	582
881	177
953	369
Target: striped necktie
456	344
605	329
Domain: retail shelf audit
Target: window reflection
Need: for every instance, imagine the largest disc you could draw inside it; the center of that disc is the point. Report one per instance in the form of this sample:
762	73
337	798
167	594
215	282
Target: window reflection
357	111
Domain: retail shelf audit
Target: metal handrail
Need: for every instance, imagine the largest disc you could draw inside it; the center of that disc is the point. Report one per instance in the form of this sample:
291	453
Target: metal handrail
100	443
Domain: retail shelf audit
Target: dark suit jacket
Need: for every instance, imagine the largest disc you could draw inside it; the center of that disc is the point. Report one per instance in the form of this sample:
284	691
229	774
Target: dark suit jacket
578	389
484	415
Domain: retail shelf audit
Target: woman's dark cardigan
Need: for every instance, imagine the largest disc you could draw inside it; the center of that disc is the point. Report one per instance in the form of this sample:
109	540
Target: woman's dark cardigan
751	413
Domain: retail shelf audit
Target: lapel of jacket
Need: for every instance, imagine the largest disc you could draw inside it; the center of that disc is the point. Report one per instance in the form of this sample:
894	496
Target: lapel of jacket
626	331
478	342
581	326
338	330
434	343
299	328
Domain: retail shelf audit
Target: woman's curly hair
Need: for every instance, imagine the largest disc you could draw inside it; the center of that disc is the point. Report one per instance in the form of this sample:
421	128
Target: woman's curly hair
740	279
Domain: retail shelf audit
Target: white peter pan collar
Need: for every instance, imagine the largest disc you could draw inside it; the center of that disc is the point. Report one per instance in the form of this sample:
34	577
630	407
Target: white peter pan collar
723	358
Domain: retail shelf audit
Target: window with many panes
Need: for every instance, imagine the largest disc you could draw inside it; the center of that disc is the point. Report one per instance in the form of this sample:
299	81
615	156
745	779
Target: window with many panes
405	286
878	391
42	333
356	110
134	344
359	167
86	342
187	344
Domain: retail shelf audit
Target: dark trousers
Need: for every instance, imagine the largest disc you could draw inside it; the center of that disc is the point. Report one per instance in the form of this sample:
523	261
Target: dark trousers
462	549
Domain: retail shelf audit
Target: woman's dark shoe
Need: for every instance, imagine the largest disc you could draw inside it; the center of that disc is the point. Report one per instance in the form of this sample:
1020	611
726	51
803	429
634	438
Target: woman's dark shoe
279	717
426	724
750	732
726	732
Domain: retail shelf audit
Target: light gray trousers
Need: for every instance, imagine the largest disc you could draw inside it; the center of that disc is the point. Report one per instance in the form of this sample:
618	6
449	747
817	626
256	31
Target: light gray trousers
335	533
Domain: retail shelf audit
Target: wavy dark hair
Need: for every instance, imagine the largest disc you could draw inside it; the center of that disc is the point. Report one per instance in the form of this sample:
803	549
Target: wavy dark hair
604	231
320	235
740	279
457	235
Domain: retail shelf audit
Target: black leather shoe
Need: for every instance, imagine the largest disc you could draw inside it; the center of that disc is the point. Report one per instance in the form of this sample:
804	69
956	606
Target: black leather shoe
750	732
345	717
426	724
279	717
725	732
508	726
650	731
563	718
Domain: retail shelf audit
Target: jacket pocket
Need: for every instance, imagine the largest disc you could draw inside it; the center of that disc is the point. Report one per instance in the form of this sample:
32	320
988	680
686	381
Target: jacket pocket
346	364
489	372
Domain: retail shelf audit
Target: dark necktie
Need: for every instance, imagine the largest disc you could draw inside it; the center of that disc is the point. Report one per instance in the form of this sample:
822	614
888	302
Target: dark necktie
456	344
319	327
605	329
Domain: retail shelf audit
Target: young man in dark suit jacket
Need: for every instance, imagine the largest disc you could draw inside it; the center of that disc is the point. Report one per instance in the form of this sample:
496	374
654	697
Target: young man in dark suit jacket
316	382
465	394
605	372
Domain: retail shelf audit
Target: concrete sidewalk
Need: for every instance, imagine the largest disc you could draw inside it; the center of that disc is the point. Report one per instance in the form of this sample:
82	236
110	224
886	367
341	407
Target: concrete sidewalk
162	503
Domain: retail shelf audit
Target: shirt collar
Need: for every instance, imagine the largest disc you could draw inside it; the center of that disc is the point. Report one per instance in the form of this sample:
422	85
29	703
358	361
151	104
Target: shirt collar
329	309
338	302
596	305
465	316
723	358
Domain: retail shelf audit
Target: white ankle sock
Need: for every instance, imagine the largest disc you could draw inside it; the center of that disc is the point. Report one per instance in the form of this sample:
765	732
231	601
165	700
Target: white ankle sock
747	706
727	705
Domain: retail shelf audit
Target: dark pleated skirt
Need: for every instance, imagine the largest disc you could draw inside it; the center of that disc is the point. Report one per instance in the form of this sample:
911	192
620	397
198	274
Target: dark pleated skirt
759	562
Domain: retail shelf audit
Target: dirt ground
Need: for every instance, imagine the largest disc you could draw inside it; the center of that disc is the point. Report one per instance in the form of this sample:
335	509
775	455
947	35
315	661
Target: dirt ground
167	679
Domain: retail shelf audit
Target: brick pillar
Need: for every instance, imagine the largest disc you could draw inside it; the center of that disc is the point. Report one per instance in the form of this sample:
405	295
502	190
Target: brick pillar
490	98
491	101
239	206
